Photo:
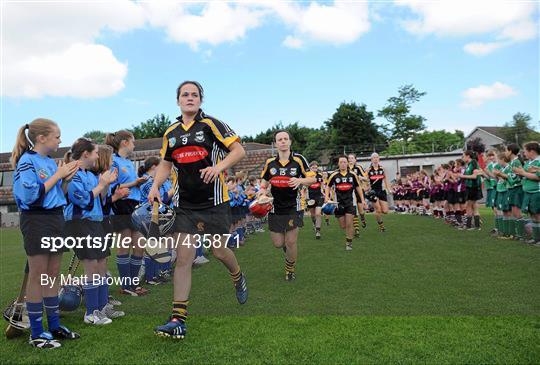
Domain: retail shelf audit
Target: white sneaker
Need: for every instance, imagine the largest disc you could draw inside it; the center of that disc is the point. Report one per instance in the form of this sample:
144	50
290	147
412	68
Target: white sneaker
348	247
111	313
200	260
97	318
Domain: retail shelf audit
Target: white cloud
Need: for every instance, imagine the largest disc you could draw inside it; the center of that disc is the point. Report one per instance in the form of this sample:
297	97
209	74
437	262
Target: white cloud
507	22
50	49
481	49
340	23
476	96
292	42
218	22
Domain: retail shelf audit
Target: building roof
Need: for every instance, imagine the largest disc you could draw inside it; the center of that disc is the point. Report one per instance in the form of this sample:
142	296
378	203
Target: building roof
495	131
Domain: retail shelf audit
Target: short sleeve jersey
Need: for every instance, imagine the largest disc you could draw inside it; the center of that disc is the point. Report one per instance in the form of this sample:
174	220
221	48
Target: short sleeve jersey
126	174
471	166
202	143
82	204
514	180
314	190
278	173
31	173
531	186
343	186
376	177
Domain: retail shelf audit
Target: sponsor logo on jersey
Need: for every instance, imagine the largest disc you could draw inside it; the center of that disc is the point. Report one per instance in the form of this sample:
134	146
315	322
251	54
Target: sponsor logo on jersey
172	142
338	180
273	171
42	173
199	136
315	186
344	186
280	181
189	154
293	171
200	226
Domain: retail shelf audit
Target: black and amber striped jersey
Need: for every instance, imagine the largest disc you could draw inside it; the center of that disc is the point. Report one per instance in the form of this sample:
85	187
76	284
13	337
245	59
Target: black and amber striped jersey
360	172
278	173
343	185
202	143
315	189
376	177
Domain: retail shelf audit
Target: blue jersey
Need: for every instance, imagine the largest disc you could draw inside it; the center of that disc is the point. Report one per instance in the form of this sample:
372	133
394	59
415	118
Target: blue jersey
82	204
126	174
32	171
163	190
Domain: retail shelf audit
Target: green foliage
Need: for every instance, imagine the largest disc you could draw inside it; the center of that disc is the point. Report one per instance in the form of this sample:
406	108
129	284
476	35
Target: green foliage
519	130
403	125
153	128
352	124
426	142
96	136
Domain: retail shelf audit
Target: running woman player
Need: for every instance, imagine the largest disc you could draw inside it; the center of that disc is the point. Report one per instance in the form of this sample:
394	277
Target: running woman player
343	183
377	178
200	148
355	167
316	199
283	176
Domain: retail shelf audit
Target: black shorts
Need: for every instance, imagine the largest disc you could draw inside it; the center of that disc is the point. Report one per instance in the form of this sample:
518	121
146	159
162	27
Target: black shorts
461	197
424	194
451	196
122	214
316	201
36	224
341	210
213	220
284	222
93	250
381	195
473	194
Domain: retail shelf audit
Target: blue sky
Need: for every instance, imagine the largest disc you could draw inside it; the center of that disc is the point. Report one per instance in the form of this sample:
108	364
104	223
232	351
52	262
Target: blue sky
101	66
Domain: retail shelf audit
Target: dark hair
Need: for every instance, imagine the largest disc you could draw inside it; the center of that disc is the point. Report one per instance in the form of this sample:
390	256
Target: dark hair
451	163
460	162
471	154
79	147
343	156
147	165
280	131
445	166
532	146
513	148
199	87
114	139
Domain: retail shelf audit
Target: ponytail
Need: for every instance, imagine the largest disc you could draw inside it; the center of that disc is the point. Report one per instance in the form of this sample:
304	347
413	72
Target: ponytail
147	165
114	139
27	136
67	156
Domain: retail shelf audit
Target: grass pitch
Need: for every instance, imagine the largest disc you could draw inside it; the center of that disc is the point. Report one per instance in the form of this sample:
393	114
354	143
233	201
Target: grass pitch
420	293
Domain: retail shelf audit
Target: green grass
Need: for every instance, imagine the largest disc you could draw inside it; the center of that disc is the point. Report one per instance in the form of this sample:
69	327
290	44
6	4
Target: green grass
421	292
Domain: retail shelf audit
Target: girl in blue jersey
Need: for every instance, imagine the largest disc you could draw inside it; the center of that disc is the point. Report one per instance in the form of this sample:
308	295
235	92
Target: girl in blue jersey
123	145
38	192
86	194
115	193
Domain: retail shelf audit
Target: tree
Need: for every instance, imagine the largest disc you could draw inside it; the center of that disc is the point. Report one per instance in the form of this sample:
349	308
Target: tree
96	136
519	129
352	125
152	128
426	142
403	125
